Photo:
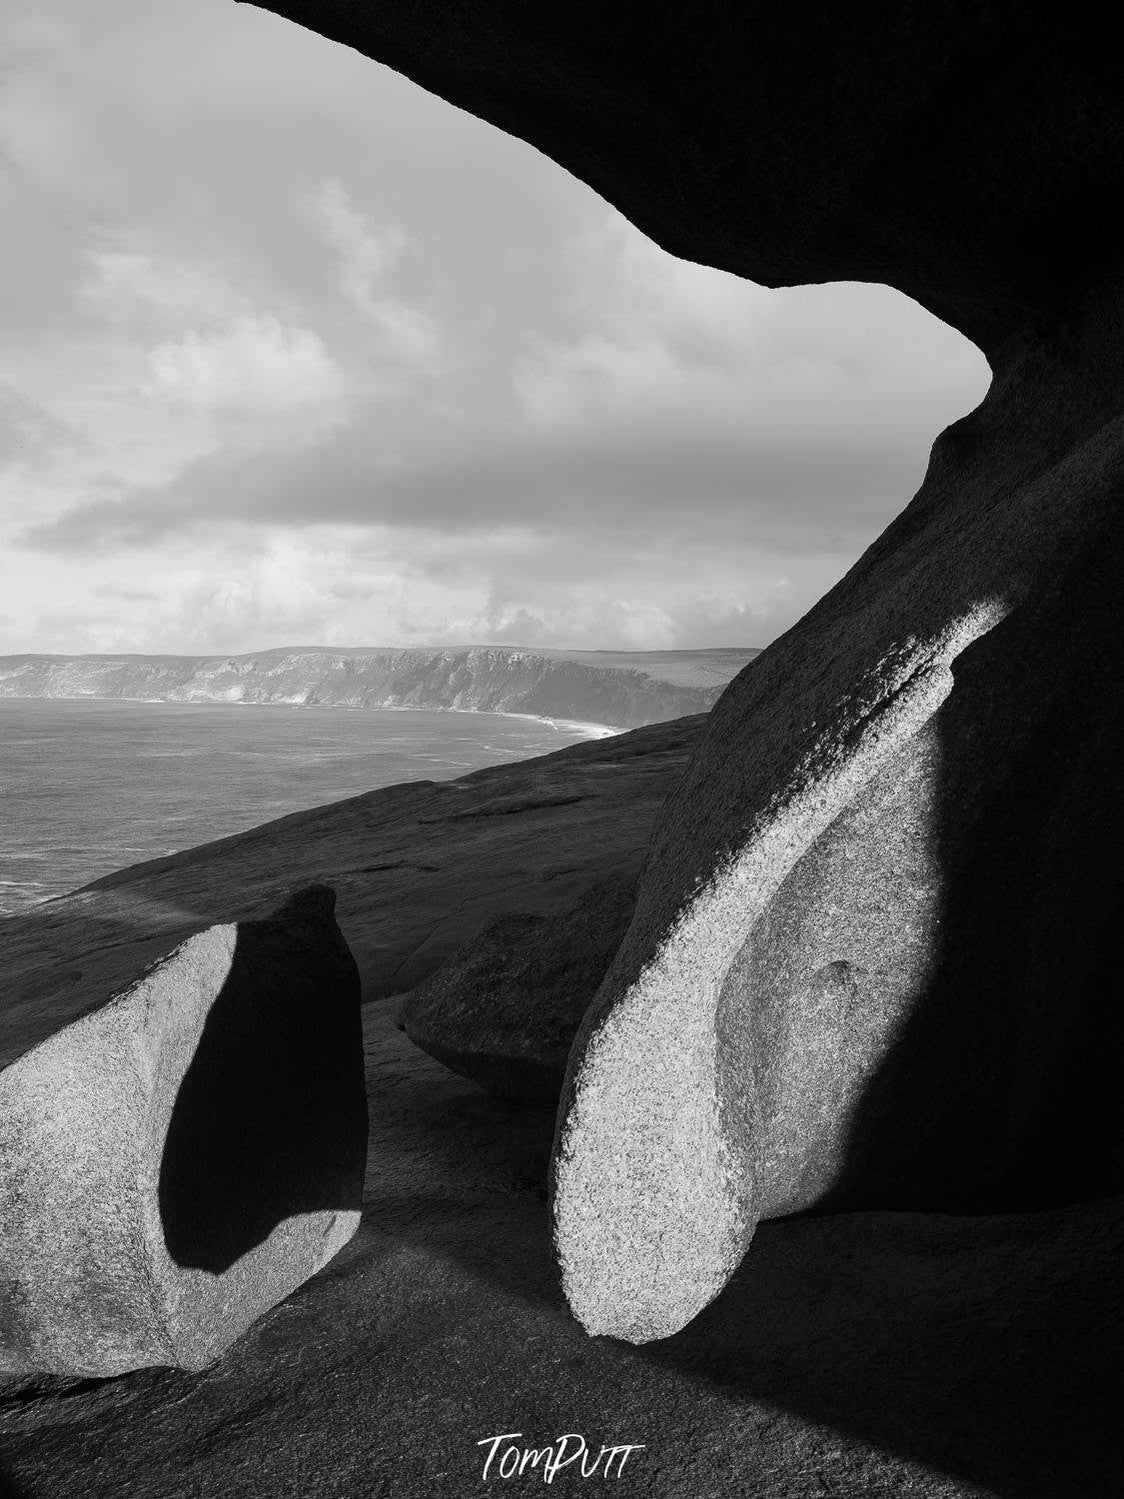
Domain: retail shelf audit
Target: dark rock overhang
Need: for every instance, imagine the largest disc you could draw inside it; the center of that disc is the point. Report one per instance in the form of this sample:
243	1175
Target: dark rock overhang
966	153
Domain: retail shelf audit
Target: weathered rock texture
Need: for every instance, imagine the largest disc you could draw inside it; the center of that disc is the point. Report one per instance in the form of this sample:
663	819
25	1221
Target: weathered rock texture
869	958
505	1007
185	1151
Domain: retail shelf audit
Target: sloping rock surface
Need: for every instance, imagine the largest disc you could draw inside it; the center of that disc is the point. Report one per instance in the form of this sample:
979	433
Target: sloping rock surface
417	869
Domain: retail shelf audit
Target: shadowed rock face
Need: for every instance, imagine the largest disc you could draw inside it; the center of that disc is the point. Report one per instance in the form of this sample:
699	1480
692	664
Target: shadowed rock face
505	1007
870	945
185	1152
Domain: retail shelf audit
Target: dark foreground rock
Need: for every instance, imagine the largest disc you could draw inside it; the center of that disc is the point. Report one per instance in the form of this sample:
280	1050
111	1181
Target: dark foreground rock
967	154
505	1007
185	1150
878	1354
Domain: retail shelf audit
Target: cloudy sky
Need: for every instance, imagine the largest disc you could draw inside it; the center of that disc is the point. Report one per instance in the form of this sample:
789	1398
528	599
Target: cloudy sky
295	353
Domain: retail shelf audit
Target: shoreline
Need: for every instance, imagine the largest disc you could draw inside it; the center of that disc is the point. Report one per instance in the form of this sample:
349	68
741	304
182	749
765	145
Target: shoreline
588	729
29	880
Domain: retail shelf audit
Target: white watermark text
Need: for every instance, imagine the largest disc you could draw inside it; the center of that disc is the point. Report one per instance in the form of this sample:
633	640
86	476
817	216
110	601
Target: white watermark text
563	1452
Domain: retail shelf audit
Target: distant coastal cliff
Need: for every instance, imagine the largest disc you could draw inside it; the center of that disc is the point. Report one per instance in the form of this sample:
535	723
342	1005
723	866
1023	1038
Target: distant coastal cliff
624	689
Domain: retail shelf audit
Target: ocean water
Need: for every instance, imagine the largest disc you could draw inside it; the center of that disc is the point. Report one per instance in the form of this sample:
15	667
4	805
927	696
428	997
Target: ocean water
89	786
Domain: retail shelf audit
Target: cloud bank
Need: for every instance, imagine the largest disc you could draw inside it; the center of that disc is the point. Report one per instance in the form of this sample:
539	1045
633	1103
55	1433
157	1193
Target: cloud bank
299	353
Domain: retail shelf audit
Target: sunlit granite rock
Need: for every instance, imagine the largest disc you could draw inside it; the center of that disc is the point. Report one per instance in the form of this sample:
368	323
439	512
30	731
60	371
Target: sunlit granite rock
184	1151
